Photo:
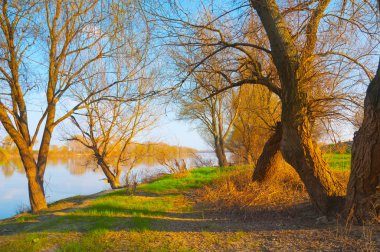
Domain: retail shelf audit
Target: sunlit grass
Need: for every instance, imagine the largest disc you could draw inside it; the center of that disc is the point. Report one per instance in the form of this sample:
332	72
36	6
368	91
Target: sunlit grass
339	162
103	240
91	241
113	211
28	242
194	179
111	205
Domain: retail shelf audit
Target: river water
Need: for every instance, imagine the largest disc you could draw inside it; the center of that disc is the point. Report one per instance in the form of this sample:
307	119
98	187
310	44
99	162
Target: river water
63	179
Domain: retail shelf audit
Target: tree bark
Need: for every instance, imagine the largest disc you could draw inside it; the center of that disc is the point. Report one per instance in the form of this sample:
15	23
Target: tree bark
303	154
266	162
363	192
113	179
36	193
35	182
220	152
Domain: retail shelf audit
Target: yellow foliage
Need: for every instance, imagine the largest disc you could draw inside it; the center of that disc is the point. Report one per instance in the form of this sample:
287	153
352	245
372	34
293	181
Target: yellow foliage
259	112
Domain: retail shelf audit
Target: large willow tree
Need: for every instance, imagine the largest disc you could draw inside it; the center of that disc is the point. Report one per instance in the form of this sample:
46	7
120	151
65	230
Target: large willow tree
305	52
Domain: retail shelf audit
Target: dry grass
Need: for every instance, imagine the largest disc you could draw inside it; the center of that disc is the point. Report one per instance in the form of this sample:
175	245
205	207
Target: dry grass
282	204
237	194
182	174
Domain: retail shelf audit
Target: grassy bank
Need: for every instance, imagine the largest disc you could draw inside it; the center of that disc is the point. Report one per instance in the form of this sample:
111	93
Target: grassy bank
168	215
110	221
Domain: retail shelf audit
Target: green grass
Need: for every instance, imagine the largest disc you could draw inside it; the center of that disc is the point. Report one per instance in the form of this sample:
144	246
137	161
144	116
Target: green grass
116	205
195	179
27	218
89	242
338	162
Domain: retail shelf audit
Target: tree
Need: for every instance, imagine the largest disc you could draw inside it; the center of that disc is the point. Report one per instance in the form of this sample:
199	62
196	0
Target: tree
297	146
110	121
362	200
110	126
215	115
46	47
297	120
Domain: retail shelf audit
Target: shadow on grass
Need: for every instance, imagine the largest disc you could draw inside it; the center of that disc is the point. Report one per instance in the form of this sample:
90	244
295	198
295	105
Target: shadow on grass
108	218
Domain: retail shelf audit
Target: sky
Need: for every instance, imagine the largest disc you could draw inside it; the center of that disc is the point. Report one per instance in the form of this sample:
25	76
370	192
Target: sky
176	132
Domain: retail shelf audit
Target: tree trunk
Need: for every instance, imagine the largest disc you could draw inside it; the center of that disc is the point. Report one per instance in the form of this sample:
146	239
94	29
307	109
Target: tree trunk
220	153
266	162
112	179
35	183
36	193
114	183
299	150
363	192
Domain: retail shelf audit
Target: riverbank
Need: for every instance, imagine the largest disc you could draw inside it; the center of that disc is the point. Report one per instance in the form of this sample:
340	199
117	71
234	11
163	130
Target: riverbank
168	215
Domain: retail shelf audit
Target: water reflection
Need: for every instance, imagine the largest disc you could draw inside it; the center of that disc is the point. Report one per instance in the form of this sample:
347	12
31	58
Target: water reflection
79	166
9	167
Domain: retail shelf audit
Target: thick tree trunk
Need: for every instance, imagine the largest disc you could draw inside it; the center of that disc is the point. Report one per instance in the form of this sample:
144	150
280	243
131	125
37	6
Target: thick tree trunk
363	193
35	183
117	180
299	150
220	153
36	193
266	162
